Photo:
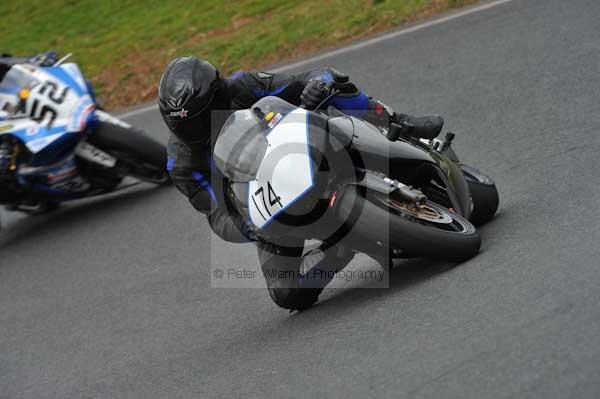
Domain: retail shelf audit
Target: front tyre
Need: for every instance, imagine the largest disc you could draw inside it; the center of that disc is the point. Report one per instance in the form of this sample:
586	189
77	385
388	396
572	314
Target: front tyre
485	202
429	230
484	195
138	155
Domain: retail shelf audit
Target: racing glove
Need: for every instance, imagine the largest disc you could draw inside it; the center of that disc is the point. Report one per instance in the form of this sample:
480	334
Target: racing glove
314	93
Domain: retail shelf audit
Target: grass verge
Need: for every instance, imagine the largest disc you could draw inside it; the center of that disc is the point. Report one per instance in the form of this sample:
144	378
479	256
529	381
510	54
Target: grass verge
123	45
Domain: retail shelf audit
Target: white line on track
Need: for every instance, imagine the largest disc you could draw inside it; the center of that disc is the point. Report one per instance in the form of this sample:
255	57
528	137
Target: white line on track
359	45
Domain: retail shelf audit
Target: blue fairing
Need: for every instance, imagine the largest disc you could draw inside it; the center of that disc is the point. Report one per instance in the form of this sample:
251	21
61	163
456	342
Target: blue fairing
59	149
41	132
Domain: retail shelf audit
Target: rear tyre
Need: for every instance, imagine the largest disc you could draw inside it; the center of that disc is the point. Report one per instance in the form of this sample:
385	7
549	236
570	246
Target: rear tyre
431	231
138	155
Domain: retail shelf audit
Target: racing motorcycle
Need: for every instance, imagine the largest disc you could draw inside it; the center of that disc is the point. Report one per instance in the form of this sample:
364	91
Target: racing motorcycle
330	176
57	144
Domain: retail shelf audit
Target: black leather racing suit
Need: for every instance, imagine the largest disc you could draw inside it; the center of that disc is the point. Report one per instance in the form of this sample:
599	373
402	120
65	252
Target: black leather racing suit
194	174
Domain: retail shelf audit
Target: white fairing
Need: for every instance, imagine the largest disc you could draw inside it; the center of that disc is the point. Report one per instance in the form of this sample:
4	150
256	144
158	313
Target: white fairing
286	171
49	88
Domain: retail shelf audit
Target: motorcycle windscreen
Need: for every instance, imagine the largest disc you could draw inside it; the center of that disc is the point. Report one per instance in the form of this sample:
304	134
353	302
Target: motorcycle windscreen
15	82
241	146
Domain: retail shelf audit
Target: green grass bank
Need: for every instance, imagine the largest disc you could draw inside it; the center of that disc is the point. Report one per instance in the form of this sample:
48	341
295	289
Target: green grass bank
123	46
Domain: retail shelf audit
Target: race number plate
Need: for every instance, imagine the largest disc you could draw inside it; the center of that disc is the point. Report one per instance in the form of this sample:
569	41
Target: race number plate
286	171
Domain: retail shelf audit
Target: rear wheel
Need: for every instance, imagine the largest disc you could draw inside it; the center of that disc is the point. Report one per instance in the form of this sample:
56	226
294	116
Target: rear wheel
428	230
138	155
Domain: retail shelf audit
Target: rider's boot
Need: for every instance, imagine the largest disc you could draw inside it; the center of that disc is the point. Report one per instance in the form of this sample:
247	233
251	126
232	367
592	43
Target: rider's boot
425	127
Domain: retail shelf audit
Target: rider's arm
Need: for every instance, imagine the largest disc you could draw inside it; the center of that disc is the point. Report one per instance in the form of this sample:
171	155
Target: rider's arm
249	87
350	98
187	178
191	174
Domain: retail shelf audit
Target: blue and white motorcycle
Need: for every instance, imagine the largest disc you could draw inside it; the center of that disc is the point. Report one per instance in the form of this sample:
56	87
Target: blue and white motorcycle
57	145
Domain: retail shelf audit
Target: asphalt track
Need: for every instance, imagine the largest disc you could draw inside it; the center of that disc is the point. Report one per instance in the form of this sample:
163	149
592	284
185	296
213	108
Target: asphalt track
111	298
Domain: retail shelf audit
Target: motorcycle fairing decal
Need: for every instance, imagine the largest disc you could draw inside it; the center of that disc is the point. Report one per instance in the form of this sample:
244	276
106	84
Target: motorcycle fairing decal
73	188
81	115
66	77
274	120
62	175
57	172
75	185
6	128
61	178
29	132
94	154
284	176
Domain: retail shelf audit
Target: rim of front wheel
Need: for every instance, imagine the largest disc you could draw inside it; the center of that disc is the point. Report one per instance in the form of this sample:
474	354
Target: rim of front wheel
429	213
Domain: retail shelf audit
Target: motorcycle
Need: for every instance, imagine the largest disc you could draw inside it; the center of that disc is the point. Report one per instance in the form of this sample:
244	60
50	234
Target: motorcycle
334	177
57	144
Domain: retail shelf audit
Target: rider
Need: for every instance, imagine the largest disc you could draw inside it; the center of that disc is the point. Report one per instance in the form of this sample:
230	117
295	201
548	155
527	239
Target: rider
189	89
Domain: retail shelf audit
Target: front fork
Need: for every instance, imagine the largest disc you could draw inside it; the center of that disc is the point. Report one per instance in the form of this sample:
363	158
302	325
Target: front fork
445	147
471	174
9	157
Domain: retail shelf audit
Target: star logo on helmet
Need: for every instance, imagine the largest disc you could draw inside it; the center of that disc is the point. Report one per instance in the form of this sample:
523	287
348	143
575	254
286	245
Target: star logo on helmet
183	113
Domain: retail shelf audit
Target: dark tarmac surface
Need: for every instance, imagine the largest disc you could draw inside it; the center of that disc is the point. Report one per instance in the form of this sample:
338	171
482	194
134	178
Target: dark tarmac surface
111	298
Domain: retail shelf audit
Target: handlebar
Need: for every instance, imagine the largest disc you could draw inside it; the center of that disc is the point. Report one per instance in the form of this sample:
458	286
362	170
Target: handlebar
399	129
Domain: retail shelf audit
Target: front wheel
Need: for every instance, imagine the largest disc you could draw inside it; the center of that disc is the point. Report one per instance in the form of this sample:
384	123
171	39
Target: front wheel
484	195
429	230
138	155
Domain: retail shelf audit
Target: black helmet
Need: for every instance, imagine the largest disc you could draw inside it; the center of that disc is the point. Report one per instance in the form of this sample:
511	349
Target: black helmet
189	89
